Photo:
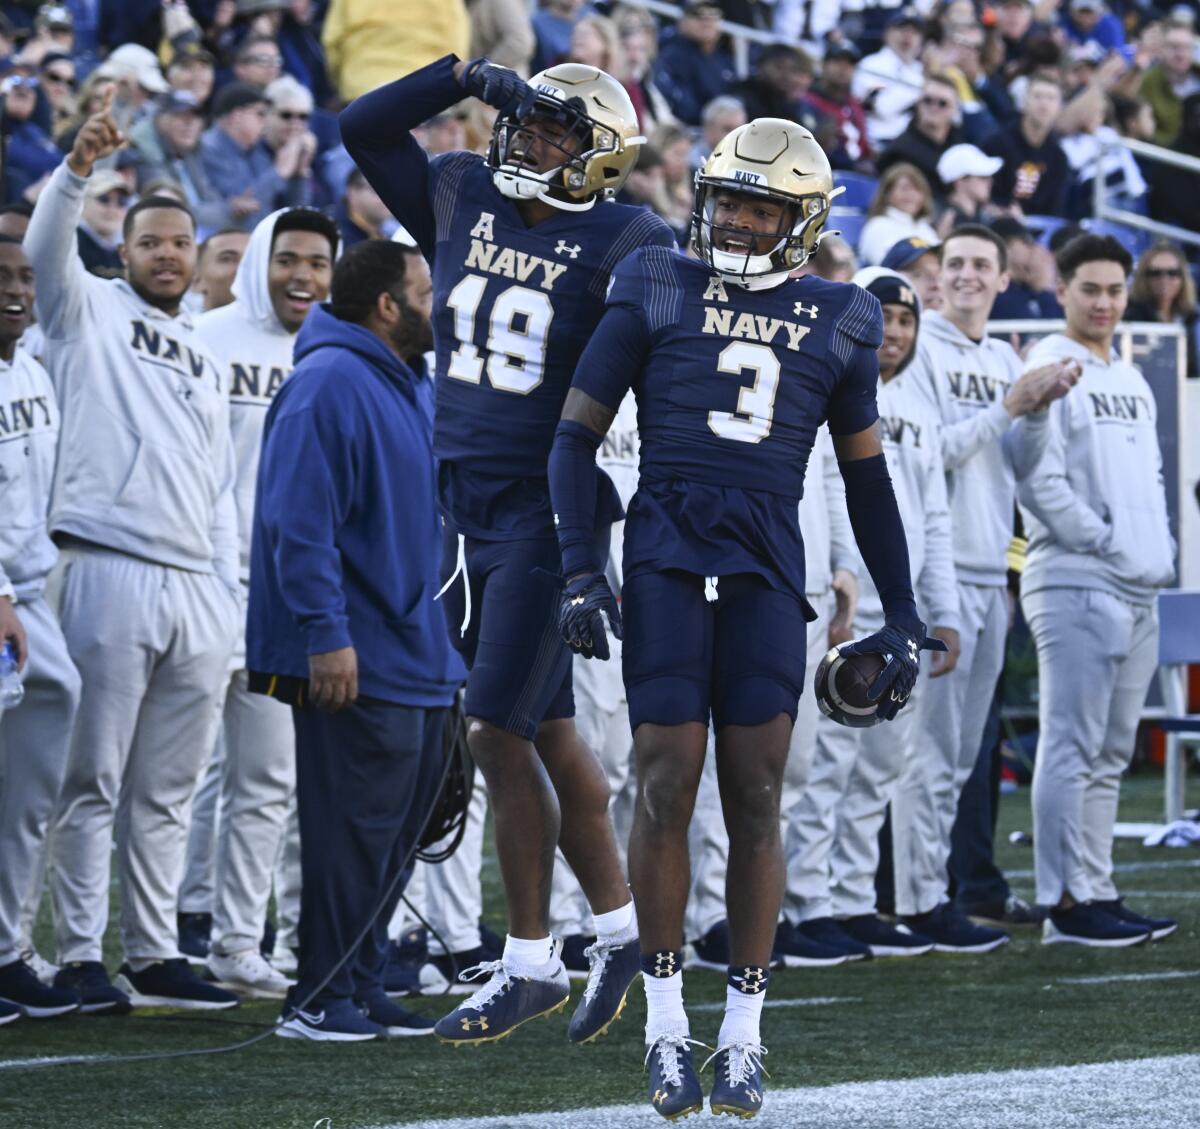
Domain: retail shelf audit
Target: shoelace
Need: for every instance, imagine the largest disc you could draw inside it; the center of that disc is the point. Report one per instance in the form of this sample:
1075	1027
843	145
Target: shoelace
743	1058
498	983
669	1048
598	955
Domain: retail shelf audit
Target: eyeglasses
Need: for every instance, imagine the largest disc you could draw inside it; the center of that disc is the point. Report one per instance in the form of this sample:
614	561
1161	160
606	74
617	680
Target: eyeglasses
60	78
113	199
937	103
264	60
1164	272
292	115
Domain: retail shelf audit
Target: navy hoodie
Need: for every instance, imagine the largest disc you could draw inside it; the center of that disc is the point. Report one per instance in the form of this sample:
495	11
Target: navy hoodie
347	538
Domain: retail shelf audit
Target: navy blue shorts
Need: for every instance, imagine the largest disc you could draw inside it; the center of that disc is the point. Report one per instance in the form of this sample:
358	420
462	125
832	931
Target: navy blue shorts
519	667
739	658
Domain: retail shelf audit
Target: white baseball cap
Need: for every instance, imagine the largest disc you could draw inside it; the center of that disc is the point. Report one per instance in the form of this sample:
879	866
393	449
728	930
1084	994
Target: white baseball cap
966	160
139	61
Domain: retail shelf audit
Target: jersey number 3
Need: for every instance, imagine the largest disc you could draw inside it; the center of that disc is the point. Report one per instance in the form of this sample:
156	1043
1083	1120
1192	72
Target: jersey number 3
751	423
516	342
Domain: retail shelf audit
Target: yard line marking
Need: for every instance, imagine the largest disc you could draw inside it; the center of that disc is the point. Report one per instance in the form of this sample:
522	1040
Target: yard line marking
1139	1094
46	1060
1125	867
1130	977
799	1001
1160	893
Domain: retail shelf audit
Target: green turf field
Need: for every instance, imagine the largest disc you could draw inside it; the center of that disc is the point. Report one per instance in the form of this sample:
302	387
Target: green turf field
1025	1006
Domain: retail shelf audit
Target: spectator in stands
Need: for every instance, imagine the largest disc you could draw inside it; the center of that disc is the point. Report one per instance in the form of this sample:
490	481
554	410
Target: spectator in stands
370	42
1173	193
834	261
1169	81
1133	118
87	102
193	69
105	202
362	214
902	208
1034	174
53	32
1018	26
1163	290
1095	150
289	113
501	31
594	43
139	81
918	260
442	133
30	153
645	183
930	133
720	117
889	82
552	23
967	173
14	219
693	65
674	146
238	162
639	48
216	267
1086	21
842	128
168	145
258	61
782	77
56	74
1030	292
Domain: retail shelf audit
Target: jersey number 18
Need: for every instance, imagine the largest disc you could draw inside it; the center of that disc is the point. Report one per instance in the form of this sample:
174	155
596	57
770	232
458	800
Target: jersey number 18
516	341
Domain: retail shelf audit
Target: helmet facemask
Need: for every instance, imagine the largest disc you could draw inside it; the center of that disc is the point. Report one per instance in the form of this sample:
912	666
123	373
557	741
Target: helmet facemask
577	139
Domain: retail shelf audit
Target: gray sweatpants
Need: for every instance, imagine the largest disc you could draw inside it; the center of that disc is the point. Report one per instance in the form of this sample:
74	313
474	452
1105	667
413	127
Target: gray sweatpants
35	742
947	730
1097	654
197	890
152	645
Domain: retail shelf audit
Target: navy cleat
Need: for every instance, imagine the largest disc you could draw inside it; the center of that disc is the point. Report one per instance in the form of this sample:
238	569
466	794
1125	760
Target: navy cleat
22	989
9	1013
737	1087
674	1088
505	1002
172	983
612	969
90	982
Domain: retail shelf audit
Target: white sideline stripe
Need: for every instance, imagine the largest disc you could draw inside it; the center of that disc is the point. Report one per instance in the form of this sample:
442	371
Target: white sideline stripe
1147	1093
802	1001
45	1060
1124	867
1131	977
1160	893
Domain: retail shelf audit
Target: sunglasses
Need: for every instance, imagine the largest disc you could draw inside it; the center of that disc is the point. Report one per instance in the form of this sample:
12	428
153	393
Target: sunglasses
264	60
938	103
113	199
292	115
60	78
1164	272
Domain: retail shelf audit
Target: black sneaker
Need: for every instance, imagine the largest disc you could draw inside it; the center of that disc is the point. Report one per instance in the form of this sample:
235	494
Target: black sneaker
397	1021
712	951
19	987
1087	924
490	942
798	951
885	939
451	965
951	932
1012	911
1159	927
411	975
172	983
9	1013
829	932
574	955
89	981
674	1087
195	934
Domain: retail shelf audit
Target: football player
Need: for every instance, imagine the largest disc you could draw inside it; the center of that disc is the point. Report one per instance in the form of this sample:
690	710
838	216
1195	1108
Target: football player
734	365
522	244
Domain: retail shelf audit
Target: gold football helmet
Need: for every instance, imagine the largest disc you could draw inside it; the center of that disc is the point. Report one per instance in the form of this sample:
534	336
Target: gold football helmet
777	159
599	146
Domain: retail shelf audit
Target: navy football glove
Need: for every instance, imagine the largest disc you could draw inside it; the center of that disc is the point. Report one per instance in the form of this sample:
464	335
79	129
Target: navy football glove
499	87
585	603
900	648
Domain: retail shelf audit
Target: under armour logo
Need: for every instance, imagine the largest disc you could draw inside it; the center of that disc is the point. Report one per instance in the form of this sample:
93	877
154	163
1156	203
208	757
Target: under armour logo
912	650
754	1096
565	248
481	1023
799	309
576	601
660	1097
752	980
664	964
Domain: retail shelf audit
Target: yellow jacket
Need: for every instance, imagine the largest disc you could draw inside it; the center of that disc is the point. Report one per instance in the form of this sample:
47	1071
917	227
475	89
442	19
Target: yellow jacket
370	42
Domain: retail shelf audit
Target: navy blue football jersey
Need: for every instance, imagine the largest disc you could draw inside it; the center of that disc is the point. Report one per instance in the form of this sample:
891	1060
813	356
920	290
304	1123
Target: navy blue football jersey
731	389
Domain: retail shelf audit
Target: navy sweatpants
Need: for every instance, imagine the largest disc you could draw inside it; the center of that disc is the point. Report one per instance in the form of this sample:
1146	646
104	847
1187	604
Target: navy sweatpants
365	780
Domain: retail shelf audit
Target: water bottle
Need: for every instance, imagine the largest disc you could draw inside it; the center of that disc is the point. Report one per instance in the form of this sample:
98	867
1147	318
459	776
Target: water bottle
11	688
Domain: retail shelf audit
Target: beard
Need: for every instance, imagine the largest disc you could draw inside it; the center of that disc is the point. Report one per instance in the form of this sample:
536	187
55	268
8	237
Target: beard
414	335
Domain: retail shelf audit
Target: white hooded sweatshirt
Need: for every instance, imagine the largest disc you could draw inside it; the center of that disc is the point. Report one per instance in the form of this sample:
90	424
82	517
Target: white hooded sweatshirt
965	382
145	461
824	520
254	356
1094	507
29	424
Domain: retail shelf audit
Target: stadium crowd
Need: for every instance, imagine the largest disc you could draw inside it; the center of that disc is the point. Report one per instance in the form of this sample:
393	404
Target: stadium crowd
140	719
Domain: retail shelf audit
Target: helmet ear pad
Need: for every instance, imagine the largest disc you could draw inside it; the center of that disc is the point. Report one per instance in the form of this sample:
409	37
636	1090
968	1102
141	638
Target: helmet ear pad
841	687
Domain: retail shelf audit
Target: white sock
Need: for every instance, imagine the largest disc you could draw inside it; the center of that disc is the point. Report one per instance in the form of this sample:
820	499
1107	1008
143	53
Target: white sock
743	1013
618	925
664	1006
523	955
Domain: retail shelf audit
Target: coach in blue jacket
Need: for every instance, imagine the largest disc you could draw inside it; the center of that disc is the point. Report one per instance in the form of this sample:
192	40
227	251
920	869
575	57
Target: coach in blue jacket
342	622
